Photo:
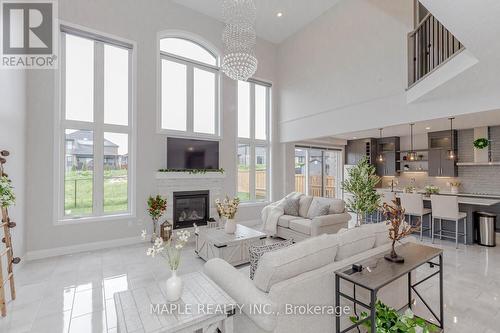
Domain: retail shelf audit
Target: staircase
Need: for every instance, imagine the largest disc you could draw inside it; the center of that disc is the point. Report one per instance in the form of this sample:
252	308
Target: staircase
430	46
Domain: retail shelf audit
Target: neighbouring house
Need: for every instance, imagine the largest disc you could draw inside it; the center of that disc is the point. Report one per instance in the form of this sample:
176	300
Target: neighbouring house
79	152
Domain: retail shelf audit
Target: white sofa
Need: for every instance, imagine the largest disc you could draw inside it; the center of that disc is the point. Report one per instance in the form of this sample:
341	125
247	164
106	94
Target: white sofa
303	274
303	226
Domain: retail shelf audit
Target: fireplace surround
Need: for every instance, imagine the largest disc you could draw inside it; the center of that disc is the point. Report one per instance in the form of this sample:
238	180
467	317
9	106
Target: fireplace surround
190	207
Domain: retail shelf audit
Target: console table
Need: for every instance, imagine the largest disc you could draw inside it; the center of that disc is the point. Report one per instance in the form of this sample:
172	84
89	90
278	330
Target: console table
378	272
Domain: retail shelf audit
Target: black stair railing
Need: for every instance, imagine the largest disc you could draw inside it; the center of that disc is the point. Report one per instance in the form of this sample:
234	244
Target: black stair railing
429	46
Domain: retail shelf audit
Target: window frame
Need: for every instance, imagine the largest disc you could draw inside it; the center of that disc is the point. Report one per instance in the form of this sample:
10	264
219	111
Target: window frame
253	143
97	126
190	66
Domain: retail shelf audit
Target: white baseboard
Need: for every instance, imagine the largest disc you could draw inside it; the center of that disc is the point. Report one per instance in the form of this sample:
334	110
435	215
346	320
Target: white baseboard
58	251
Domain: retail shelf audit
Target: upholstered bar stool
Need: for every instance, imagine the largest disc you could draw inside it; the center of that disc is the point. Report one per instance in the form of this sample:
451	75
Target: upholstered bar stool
413	204
445	207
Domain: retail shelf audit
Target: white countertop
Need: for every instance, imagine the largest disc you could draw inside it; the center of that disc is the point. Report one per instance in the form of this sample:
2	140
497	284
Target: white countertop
474	195
473	201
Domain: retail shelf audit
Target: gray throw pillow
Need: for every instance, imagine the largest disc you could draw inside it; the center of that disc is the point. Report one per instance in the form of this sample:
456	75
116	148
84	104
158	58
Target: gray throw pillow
318	208
291	206
257	251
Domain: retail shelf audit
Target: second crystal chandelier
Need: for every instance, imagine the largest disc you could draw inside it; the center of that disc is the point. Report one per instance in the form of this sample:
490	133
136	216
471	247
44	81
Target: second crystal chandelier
239	37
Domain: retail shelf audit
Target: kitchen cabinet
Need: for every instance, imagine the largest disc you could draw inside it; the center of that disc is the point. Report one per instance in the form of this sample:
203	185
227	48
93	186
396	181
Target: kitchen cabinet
439	164
358	149
389	148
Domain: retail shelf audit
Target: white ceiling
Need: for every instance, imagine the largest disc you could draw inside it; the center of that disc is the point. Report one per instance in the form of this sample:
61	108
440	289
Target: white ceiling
487	118
296	14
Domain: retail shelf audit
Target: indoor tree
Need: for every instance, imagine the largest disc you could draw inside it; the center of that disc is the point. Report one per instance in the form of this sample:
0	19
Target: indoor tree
360	183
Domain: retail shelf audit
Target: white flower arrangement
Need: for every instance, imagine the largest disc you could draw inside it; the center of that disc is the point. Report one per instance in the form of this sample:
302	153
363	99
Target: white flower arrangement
431	189
228	207
170	250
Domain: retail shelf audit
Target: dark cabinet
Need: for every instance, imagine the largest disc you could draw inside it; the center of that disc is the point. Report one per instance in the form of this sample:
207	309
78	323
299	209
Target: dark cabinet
389	149
439	164
356	150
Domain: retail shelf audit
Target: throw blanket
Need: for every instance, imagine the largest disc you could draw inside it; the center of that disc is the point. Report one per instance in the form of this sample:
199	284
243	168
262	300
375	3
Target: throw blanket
271	214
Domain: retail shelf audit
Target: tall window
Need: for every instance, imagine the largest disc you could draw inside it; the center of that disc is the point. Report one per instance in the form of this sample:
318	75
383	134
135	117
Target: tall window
318	171
189	88
253	141
96	124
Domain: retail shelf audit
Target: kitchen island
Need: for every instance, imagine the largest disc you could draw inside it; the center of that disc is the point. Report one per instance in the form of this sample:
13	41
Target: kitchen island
469	205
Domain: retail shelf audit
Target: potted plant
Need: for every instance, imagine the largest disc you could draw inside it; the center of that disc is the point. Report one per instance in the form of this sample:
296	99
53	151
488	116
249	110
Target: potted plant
454	187
7	196
157	206
389	320
398	227
431	189
361	184
171	251
228	208
409	189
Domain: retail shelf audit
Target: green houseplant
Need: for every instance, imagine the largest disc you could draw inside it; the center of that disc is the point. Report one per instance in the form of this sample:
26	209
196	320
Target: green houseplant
481	143
390	321
361	183
7	196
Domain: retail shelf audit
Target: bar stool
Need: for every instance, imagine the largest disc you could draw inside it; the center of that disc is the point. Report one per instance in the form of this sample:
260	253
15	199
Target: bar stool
413	204
445	207
385	197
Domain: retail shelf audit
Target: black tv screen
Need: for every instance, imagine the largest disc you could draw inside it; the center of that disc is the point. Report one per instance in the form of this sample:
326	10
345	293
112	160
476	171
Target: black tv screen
192	154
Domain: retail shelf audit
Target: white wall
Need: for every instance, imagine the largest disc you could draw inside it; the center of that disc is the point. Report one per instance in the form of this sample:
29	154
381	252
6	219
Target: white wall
139	21
13	139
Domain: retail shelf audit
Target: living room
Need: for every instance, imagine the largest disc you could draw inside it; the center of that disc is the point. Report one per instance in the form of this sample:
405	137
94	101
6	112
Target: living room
231	129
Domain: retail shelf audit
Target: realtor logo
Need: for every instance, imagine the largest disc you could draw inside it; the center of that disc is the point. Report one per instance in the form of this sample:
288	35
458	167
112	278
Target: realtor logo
28	34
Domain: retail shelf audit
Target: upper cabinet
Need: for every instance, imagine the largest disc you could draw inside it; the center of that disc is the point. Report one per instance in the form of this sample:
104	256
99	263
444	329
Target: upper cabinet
359	149
439	164
389	149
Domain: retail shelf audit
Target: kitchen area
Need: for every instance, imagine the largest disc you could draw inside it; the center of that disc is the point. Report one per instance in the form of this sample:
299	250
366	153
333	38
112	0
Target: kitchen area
429	159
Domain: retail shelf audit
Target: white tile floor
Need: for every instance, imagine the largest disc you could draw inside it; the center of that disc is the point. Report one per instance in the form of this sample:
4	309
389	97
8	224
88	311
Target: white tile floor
74	293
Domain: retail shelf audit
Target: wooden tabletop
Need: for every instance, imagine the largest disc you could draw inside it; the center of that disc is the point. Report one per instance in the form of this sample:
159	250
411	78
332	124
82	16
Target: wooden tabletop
378	272
219	237
133	307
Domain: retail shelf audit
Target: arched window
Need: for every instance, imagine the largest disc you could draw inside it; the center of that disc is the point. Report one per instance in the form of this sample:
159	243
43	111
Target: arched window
189	93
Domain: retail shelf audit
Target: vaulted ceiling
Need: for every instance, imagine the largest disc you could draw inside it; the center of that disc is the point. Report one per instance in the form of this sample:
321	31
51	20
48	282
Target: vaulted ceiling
296	14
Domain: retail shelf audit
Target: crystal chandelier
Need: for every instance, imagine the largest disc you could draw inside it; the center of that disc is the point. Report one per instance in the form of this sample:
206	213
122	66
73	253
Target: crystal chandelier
239	37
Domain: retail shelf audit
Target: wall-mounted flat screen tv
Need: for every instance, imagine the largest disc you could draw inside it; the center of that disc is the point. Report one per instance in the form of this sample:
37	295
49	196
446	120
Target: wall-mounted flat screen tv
192	154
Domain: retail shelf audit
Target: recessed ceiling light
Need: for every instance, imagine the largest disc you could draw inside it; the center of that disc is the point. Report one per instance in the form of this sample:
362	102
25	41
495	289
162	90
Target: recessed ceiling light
279	14
427	128
354	137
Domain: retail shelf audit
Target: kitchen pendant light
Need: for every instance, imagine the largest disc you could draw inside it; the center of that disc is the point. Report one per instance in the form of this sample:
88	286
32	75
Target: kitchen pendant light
451	152
380	155
411	154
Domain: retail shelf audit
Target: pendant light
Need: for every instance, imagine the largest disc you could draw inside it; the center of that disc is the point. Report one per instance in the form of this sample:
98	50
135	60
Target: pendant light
380	155
411	154
451	152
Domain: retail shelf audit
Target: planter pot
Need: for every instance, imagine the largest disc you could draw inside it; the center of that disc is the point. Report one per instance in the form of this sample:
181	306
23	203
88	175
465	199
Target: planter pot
454	189
174	287
230	226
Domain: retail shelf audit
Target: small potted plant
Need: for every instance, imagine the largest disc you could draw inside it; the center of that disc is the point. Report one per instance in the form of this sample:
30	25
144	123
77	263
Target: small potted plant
409	189
454	187
398	227
171	251
431	189
157	206
228	208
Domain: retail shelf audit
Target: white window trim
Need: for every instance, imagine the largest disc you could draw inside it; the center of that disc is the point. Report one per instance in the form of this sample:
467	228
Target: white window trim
189	133
252	142
61	124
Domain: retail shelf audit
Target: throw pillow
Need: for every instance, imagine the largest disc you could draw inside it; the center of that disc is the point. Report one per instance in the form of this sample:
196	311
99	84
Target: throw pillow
257	251
291	206
318	208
